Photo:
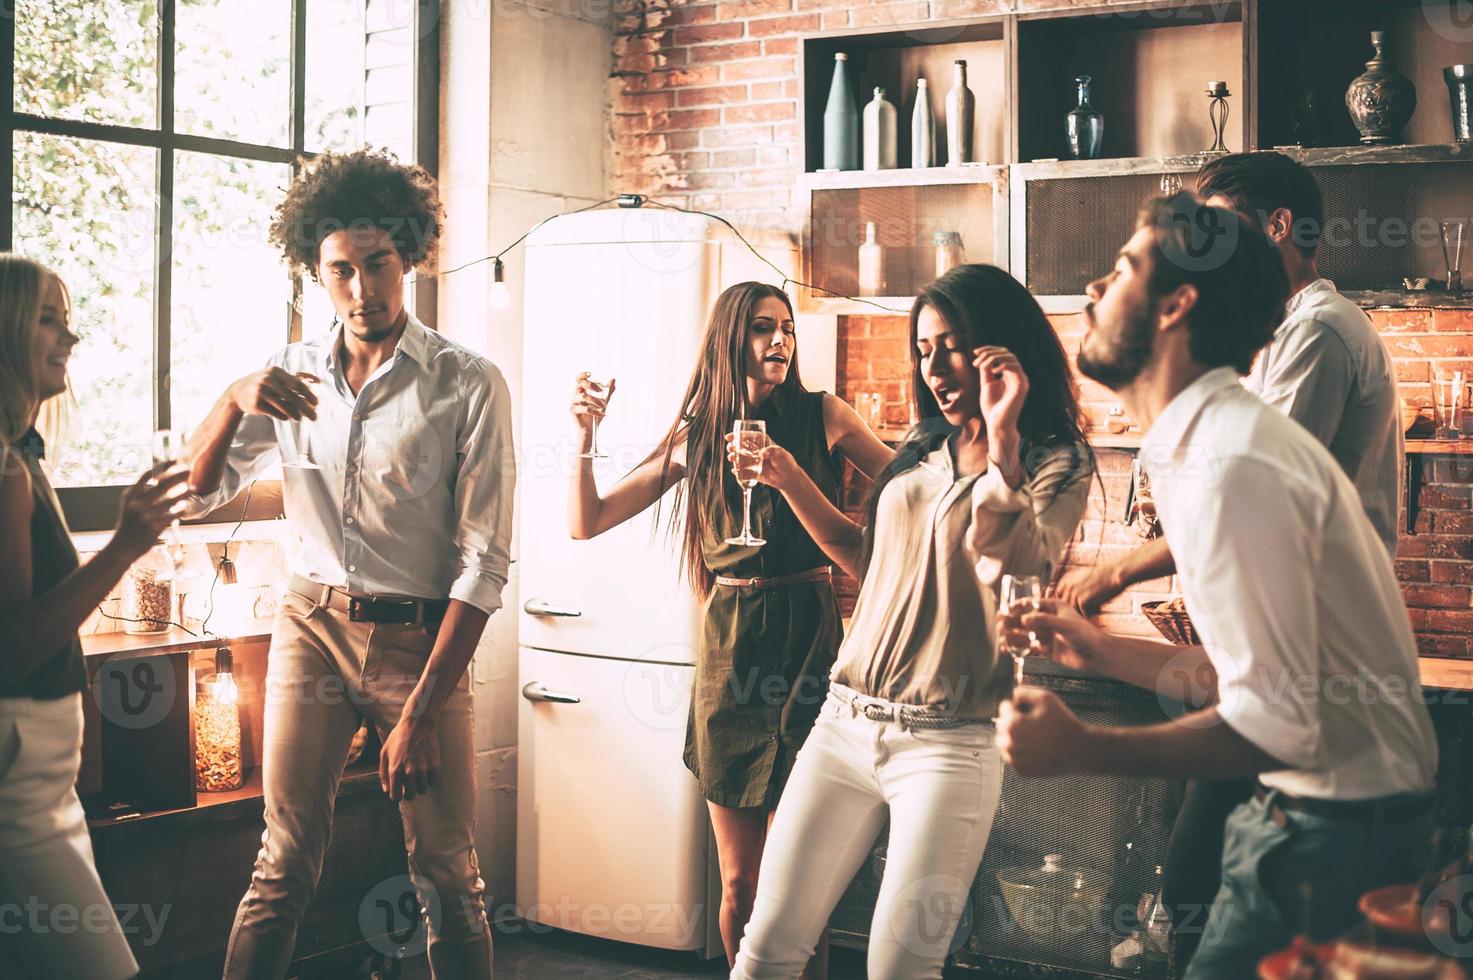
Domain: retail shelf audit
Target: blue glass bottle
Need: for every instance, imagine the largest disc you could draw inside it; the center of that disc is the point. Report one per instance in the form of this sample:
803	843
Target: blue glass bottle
1086	127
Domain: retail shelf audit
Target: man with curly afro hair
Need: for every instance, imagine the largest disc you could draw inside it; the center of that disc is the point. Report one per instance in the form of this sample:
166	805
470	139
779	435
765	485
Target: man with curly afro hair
398	479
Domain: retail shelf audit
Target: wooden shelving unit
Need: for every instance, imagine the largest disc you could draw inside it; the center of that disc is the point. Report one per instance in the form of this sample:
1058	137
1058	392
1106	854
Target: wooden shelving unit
1150	61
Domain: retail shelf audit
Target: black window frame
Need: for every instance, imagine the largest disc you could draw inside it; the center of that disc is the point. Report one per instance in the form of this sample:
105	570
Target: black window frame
95	508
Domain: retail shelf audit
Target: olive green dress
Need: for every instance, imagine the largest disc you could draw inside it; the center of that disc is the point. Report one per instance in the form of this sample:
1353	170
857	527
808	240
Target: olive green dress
762	670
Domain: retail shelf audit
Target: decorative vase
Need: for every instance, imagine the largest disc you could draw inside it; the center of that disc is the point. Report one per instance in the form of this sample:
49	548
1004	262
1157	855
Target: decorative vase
1085	126
1459	80
871	264
1381	101
879	133
840	121
922	129
961	107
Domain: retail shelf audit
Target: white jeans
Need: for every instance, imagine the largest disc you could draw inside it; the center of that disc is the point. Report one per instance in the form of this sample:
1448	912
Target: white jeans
941	789
55	919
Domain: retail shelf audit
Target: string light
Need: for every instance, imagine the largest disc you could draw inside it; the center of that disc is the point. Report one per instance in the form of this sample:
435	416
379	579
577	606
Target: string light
500	294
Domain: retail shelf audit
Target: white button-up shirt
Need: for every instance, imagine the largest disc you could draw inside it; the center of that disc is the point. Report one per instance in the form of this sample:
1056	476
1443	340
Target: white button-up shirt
1328	369
414	497
1293	594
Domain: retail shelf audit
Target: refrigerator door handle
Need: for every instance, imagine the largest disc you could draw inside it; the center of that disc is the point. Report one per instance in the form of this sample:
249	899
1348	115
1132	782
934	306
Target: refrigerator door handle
536	692
541	607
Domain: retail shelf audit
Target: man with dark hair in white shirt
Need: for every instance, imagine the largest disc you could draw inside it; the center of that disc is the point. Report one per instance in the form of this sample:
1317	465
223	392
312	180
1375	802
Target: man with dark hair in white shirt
1326	368
398	480
1311	667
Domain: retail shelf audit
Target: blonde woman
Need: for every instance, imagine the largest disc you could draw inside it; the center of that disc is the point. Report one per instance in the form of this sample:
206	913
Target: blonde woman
46	860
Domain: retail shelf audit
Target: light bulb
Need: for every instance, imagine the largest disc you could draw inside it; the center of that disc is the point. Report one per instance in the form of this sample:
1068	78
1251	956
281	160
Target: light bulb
223	688
500	292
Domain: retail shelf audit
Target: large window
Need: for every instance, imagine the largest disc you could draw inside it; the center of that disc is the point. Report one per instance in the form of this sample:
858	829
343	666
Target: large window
150	143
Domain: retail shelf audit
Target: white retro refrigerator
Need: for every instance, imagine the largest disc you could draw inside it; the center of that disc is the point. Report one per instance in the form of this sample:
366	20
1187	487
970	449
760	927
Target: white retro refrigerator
612	832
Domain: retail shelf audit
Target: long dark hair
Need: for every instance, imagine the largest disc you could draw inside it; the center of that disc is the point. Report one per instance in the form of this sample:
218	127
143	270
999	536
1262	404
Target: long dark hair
714	398
988	307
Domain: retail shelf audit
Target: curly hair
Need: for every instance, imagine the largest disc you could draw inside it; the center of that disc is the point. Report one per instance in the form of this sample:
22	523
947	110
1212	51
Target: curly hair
363	189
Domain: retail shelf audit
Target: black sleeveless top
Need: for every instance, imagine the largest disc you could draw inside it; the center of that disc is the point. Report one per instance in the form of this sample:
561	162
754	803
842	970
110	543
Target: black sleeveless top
53	558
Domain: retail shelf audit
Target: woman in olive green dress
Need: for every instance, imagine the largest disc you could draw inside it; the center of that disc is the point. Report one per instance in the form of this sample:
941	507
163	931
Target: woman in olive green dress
771	622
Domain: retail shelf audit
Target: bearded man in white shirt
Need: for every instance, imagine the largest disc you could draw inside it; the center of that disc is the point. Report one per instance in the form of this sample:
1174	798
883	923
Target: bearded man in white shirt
1310	667
1325	367
398	480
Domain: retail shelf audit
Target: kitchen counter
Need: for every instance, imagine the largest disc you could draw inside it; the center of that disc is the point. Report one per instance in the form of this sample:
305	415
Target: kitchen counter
127	646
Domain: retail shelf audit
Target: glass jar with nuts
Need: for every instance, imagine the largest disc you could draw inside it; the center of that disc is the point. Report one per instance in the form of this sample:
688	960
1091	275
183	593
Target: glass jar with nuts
148	593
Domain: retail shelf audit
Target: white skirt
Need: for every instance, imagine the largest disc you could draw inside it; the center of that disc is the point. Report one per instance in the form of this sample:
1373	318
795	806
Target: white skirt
55	918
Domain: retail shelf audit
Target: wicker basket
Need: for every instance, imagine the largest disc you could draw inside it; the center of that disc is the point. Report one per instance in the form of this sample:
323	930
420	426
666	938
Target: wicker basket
1175	626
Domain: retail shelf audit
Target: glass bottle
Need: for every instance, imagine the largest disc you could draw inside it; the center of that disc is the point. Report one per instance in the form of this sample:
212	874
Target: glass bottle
948	251
1156	929
1085	127
871	264
148	593
840	121
961	108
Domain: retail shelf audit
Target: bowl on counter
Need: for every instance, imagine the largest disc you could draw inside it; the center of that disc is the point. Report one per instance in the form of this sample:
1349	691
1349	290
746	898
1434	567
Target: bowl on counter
1045	899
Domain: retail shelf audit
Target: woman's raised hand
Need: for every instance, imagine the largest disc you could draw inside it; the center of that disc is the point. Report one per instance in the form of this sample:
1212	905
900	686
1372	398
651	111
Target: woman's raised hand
778	467
149	506
590	402
1003	387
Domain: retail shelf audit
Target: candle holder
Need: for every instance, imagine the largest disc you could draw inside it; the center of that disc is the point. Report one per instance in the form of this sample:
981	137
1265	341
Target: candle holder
1218	113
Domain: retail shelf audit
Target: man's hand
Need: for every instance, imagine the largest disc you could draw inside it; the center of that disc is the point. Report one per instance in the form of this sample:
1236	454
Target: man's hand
1087	589
275	393
1038	735
1056	631
410	761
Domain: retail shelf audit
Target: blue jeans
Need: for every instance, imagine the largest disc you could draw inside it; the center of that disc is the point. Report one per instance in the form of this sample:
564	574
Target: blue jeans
1301	875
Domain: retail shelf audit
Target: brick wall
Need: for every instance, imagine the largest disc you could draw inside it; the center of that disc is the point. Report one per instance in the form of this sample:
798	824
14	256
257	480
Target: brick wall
705	114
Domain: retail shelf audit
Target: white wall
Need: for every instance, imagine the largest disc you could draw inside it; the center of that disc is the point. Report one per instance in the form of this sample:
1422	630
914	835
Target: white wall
523	110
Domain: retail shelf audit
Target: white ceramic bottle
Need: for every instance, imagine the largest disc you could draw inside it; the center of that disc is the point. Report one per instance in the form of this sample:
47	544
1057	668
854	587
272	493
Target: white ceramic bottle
922	129
879	133
871	264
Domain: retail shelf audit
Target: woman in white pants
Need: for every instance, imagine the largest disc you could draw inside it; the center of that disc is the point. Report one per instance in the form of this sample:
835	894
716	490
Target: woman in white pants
55	919
992	481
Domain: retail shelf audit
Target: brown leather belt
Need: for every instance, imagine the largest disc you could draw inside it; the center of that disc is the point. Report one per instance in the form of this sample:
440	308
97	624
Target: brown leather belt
823	574
1384	809
385	610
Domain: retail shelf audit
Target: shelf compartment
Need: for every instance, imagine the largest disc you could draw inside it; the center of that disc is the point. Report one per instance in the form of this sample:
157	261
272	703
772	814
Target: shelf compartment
1150	69
1323	45
894	59
906	216
1381	208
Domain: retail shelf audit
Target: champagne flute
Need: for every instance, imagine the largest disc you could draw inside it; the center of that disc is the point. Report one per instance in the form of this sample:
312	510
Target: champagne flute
171	446
750	439
304	450
599	387
1026	590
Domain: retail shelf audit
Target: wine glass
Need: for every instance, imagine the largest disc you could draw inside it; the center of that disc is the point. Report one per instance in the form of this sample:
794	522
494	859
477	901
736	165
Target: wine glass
170	446
1452	252
304	450
599	387
1026	590
750	439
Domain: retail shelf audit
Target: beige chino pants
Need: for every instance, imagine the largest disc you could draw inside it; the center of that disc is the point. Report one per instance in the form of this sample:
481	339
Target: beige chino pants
326	673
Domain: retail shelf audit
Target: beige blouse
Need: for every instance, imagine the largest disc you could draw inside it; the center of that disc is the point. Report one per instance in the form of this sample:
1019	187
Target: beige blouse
922	630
